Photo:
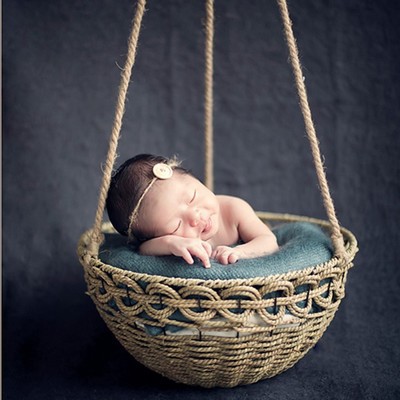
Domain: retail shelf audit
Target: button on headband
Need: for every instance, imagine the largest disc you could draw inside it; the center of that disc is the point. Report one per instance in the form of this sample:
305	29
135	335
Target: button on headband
162	171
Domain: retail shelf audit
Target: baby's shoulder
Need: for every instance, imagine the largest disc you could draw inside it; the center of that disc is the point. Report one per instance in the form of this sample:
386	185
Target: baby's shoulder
231	203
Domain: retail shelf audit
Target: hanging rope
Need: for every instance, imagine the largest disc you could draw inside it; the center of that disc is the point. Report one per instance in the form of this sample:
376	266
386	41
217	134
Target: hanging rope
115	134
336	235
208	97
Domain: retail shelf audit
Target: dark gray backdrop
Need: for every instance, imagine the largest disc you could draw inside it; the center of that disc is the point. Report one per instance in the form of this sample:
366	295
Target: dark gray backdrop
60	78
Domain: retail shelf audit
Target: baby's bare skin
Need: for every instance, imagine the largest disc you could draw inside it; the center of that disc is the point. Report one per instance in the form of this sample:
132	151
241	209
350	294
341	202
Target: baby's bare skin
187	220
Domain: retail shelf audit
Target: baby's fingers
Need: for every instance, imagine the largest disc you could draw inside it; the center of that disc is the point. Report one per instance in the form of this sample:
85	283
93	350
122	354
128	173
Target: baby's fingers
207	248
233	258
225	255
223	258
187	256
202	255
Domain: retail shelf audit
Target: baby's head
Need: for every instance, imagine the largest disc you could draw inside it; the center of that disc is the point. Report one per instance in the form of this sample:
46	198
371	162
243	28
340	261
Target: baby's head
127	191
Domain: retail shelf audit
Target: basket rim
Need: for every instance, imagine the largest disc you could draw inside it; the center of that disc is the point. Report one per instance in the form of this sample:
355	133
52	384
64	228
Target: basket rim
90	261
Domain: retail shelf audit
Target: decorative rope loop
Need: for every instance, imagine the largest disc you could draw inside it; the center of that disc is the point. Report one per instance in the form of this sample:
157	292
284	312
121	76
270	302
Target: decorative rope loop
336	235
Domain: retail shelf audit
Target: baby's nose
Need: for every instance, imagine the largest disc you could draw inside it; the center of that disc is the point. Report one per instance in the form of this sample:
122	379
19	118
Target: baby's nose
194	218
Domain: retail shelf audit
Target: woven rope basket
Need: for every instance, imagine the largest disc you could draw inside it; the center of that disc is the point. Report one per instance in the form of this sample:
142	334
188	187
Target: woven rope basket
255	352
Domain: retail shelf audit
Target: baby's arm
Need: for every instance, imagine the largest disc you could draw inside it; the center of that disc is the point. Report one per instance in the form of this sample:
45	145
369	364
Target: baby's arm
257	237
178	246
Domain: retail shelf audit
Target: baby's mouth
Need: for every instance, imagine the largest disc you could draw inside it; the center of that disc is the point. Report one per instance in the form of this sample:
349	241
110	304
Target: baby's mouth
207	226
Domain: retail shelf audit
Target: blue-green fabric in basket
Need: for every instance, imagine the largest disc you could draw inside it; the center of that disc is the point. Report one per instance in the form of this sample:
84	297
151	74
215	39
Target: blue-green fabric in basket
301	245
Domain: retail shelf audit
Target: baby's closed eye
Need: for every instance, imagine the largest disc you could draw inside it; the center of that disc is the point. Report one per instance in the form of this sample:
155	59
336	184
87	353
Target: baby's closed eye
193	197
175	231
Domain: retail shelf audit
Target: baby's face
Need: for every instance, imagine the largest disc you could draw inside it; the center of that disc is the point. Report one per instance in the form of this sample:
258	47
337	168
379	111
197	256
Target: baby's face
180	205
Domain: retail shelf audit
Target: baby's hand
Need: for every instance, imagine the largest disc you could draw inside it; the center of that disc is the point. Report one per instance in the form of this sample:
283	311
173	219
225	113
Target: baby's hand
187	248
225	254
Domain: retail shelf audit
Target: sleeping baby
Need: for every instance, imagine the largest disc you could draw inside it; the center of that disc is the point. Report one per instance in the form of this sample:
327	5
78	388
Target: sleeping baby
167	211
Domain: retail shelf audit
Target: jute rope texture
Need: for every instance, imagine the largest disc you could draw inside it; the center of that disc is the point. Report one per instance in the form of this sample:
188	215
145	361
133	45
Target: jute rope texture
115	134
208	96
311	296
336	235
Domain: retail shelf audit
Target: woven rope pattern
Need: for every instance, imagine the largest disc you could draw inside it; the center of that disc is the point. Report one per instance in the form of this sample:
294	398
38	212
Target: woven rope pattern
219	361
226	362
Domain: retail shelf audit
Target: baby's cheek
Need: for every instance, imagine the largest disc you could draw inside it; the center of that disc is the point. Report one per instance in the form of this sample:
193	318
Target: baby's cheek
187	232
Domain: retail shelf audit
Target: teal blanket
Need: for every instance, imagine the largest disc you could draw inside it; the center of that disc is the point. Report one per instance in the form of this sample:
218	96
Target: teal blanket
301	245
